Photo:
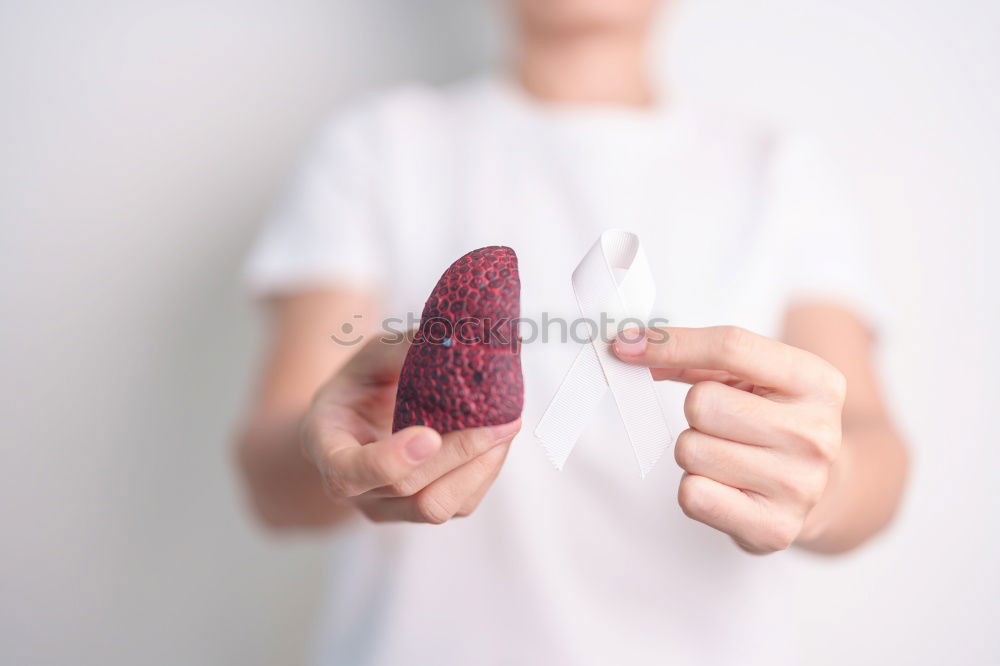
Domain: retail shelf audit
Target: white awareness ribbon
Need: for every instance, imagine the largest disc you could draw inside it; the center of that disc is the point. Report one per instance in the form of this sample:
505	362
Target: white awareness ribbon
613	279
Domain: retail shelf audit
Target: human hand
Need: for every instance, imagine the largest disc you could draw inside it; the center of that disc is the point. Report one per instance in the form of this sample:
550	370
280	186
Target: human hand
414	475
765	428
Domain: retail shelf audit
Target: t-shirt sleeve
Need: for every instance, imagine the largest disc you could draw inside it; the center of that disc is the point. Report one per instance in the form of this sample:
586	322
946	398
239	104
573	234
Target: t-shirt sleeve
824	253
324	232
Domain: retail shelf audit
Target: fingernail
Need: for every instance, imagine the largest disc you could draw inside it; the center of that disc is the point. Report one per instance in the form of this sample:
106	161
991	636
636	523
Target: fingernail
421	446
504	430
630	343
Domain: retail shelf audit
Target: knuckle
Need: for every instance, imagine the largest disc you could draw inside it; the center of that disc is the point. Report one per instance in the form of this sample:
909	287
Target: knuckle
779	535
837	385
815	435
787	486
824	440
791	429
698	403
470	443
657	335
685	450
466	509
803	489
434	508
813	487
483	467
486	468
404	487
734	340
336	486
695	503
772	543
376	467
831	383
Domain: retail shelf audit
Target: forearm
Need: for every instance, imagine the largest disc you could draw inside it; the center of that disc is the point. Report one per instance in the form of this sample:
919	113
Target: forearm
864	490
284	488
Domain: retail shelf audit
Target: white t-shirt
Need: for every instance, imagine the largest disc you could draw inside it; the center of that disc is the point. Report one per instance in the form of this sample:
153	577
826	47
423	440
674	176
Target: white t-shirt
590	565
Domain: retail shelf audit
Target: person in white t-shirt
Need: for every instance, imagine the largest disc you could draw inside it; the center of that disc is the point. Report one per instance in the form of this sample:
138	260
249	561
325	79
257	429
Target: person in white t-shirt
767	375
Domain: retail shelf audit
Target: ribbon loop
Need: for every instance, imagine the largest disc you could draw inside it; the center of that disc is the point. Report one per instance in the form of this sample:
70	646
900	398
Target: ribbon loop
613	283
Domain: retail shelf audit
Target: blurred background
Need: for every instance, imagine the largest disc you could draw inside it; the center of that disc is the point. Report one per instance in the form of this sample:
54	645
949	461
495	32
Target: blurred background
141	144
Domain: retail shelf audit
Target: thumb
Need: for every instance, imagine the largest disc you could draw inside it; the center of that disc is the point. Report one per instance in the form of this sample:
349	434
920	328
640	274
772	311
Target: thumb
350	468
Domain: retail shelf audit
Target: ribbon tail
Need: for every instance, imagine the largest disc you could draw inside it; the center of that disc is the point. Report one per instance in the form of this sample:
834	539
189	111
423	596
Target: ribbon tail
641	412
577	398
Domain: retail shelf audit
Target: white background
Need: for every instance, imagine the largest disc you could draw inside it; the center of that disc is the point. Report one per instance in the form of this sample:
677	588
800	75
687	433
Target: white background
140	145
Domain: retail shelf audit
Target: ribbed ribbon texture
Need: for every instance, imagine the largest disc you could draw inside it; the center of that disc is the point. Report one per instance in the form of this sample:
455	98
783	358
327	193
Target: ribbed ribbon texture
613	279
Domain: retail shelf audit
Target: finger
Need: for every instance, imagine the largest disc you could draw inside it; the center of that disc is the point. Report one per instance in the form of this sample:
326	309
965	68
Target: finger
457	449
497	457
442	500
736	465
745	517
349	468
694	375
729	413
755	358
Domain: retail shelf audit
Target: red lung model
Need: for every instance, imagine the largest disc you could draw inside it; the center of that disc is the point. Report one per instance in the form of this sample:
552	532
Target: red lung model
463	369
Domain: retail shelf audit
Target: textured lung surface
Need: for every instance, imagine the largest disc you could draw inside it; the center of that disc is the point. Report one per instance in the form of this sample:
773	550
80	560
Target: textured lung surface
463	369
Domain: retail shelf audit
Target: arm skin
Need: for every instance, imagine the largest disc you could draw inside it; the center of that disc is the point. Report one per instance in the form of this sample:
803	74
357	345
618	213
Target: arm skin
283	486
868	477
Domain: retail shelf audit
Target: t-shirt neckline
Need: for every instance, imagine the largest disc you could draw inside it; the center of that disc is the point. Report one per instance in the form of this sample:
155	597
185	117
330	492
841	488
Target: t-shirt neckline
505	86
